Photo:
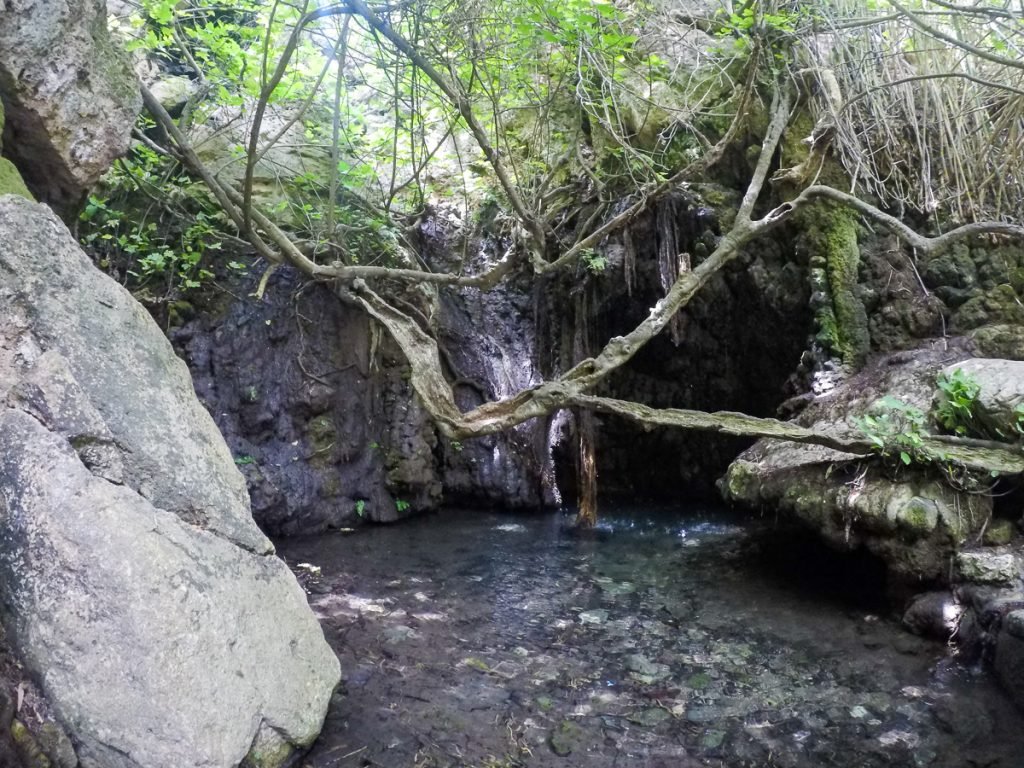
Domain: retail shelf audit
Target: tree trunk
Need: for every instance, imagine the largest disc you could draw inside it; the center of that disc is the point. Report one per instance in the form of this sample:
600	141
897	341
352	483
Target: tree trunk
586	516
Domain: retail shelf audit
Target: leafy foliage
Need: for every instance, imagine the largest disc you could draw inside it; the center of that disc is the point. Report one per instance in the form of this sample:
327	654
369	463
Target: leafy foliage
895	428
167	242
956	409
388	129
955	405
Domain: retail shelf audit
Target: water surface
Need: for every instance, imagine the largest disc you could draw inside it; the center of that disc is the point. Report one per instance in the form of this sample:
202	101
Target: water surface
667	638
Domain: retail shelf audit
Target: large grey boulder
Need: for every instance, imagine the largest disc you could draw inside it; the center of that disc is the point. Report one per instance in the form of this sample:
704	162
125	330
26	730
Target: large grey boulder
133	582
119	365
906	516
70	95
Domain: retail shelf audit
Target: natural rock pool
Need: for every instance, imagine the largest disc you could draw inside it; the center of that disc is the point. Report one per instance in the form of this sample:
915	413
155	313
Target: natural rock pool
667	638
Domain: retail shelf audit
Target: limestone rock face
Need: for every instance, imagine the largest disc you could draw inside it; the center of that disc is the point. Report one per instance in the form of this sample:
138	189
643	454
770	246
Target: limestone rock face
69	93
1001	393
912	521
217	142
133	582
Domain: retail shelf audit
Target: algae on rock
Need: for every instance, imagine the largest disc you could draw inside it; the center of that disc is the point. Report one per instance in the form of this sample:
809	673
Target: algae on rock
829	235
11	182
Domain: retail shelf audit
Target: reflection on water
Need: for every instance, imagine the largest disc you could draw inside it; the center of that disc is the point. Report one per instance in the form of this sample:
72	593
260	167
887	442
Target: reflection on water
663	638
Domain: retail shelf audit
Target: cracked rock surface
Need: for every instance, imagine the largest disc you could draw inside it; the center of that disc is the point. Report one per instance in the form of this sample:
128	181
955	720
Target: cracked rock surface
134	583
70	94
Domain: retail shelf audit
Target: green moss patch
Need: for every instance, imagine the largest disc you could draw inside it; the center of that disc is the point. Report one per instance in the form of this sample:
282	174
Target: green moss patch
830	237
998	306
11	182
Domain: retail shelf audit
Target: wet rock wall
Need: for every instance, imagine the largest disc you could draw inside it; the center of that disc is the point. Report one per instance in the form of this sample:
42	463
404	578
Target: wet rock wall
734	347
316	405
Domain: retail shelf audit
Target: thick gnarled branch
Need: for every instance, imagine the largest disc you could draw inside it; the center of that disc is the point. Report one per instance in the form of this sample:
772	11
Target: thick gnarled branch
972	454
914	239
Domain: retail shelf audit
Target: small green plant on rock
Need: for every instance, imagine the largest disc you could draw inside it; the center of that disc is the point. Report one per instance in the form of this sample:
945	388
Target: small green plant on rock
594	262
956	403
895	429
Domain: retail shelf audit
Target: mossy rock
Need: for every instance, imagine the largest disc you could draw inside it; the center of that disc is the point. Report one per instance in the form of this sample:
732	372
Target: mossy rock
900	324
999	533
741	482
998	306
830	232
644	119
998	264
11	182
988	567
179	313
1000	341
269	750
795	151
919	516
953	266
31	754
951	274
565	738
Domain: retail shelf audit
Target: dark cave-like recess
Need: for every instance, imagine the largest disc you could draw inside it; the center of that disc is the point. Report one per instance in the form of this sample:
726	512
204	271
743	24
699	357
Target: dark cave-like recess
734	347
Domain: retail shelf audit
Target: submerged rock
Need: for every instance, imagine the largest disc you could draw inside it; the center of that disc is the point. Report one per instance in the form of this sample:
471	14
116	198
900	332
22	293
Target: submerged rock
565	738
135	586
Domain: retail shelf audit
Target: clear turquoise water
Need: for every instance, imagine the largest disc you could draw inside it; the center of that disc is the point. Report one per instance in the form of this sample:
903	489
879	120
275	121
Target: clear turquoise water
668	637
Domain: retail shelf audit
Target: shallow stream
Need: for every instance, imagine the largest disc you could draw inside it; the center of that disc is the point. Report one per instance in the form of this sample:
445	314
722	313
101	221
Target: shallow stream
667	638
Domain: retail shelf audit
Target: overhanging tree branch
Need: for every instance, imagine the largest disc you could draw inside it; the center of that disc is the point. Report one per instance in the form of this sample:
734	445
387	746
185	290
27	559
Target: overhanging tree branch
989	457
570	390
897	227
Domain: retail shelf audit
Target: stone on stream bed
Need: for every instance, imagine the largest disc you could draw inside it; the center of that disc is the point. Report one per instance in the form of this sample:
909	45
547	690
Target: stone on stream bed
565	738
644	669
759	673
